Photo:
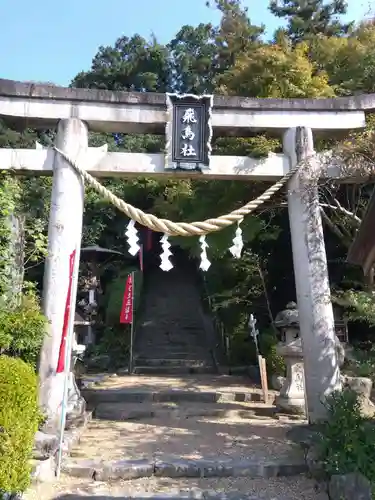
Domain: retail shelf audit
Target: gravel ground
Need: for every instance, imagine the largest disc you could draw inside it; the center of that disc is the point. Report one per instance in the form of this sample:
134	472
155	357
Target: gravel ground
196	383
296	488
189	436
192	438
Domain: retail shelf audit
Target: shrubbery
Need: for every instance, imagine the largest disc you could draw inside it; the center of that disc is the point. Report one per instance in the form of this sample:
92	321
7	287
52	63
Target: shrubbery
243	350
22	330
19	419
347	438
267	344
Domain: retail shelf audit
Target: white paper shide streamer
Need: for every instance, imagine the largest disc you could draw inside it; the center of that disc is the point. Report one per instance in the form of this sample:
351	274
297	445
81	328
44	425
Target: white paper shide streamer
205	263
132	238
236	248
166	264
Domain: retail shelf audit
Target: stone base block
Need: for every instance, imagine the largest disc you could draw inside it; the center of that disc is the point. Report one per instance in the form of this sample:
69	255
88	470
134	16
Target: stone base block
294	406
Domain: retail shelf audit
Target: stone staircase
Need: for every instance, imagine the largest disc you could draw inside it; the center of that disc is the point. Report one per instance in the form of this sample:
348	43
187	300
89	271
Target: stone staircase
171	337
193	436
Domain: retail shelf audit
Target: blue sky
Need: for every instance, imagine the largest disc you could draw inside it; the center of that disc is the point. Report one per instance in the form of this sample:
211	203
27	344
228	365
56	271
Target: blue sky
52	41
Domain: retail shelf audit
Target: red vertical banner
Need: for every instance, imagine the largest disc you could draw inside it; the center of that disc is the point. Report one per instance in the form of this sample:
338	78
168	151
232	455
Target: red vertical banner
62	353
126	315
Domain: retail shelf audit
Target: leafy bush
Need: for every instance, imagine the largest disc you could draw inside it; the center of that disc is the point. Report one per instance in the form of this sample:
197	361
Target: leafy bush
19	419
267	344
22	330
347	439
114	343
361	363
244	352
359	305
9	197
115	339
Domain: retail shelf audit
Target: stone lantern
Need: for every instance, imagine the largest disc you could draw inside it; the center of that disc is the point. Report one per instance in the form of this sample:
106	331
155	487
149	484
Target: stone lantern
292	394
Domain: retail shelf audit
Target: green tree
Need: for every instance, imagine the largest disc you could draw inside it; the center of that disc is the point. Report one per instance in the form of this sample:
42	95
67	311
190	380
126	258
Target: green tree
309	18
193	58
276	71
235	34
349	61
132	64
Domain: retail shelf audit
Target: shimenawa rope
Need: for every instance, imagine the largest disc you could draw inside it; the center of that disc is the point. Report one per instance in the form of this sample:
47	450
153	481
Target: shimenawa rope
178	228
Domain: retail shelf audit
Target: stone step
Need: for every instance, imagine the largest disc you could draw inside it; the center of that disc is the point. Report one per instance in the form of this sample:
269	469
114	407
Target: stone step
171	348
113	470
153	488
172	359
177	323
95	396
173	370
159	303
172	362
156	347
179	313
155	352
161	345
171	341
188	343
149	411
177	359
171	338
178	335
171	335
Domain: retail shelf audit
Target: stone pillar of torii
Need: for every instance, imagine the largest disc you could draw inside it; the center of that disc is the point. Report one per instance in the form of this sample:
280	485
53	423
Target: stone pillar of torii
76	111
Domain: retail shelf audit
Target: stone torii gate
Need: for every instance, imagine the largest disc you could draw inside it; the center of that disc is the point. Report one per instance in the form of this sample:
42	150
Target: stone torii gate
76	111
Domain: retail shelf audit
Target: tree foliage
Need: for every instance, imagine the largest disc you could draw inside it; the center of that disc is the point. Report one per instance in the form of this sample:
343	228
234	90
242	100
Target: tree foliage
132	64
349	61
308	18
274	70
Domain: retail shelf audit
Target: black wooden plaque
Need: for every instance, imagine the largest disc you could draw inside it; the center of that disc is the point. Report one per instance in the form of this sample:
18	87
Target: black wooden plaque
190	131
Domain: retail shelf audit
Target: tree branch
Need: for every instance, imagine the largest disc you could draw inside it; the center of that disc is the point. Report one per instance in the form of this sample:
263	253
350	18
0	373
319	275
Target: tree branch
340	208
332	226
